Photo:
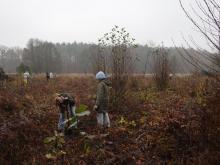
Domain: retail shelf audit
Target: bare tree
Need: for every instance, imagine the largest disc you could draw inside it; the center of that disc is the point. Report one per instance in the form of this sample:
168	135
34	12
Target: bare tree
205	16
100	58
161	68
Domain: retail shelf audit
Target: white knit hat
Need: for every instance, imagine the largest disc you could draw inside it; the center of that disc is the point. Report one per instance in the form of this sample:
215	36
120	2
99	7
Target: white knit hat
100	75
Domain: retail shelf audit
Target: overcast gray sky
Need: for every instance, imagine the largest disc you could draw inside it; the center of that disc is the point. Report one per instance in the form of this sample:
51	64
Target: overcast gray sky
87	20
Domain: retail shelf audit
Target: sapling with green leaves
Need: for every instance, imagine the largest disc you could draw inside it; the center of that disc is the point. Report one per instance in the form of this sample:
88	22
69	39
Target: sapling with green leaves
56	142
56	146
121	60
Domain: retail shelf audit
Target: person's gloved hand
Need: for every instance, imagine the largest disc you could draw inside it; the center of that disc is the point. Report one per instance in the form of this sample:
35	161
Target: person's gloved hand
95	108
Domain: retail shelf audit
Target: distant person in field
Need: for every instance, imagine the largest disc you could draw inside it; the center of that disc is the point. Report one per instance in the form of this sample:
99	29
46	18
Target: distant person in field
47	76
26	77
2	73
3	77
51	75
102	99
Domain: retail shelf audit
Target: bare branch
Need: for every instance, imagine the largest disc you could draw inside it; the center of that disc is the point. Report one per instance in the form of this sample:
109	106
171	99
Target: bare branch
200	29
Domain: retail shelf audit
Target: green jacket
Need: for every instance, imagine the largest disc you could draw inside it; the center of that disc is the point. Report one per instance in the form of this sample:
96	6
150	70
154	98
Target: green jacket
102	96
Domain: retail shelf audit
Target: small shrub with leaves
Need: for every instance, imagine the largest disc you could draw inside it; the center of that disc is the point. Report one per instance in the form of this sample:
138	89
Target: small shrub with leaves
121	59
55	144
124	122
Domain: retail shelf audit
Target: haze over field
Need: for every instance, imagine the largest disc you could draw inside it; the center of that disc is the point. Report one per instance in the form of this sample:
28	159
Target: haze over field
86	20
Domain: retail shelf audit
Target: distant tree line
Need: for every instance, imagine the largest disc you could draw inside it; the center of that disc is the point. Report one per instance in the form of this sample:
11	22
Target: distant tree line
43	56
10	58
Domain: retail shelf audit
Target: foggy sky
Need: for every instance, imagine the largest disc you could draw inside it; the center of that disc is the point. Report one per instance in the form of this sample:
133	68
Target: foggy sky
87	20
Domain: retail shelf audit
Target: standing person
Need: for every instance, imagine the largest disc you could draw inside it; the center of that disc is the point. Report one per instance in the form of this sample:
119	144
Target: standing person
102	99
3	77
51	75
26	77
47	76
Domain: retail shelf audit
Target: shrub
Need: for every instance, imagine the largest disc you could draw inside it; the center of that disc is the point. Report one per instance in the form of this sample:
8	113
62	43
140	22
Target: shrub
161	68
121	59
22	68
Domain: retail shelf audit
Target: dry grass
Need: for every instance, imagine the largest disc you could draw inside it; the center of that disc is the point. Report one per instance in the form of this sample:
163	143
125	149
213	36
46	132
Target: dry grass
178	126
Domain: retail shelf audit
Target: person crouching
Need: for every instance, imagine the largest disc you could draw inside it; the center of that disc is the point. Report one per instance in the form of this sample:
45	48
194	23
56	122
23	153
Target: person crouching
102	99
66	104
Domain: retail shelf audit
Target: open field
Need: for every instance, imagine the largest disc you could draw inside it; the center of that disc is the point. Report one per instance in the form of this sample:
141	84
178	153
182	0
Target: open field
177	126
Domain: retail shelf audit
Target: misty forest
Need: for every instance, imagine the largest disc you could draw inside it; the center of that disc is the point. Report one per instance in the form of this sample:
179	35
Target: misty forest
81	57
114	100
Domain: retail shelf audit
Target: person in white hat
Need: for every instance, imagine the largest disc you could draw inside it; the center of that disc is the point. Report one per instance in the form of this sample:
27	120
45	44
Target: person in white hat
102	99
26	77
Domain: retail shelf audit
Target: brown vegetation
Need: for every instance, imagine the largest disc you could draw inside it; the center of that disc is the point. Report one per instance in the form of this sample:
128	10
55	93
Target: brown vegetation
179	125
